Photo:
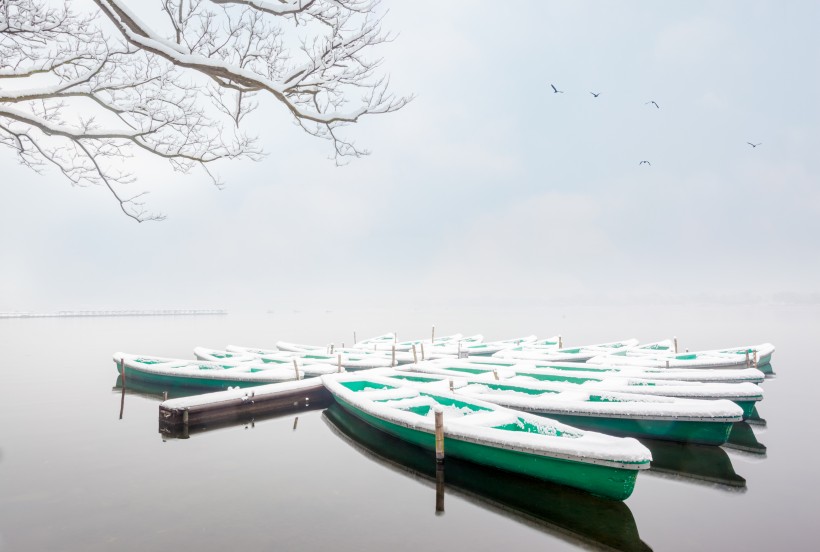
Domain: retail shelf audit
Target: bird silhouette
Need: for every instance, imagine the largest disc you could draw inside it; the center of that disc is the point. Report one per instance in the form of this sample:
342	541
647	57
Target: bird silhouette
653	102
754	145
594	94
555	90
647	162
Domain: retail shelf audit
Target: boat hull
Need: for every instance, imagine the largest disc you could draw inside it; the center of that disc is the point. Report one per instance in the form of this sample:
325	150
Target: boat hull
605	481
701	433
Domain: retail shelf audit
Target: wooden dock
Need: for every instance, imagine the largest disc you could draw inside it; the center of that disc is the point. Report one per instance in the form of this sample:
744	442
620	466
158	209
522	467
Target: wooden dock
179	416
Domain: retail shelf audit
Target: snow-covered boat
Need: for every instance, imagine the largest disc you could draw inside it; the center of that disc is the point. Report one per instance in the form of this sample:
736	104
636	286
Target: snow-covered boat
706	422
745	395
588	521
388	342
759	355
478	347
725	358
349	359
566	354
485	433
209	375
570	369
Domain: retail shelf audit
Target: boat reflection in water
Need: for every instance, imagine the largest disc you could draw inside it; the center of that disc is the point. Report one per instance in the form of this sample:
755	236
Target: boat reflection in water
698	463
743	438
576	516
139	388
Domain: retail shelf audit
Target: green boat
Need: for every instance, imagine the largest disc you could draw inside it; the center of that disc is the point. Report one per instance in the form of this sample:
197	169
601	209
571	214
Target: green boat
494	436
644	416
314	363
580	353
750	356
580	518
576	369
746	395
200	374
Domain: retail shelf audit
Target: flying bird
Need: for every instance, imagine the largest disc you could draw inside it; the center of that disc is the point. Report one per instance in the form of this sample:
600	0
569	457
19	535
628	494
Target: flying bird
647	162
594	94
754	145
555	90
653	102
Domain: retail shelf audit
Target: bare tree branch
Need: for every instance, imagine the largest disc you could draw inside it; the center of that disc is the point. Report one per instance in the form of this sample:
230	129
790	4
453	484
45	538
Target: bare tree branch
81	93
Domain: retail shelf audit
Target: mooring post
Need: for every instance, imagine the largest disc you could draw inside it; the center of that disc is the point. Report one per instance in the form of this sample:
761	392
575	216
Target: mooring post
451	385
433	337
165	395
560	342
415	357
755	358
422	351
393	358
339	363
667	364
748	364
495	373
675	339
296	368
439	435
354	337
185	417
122	371
295	422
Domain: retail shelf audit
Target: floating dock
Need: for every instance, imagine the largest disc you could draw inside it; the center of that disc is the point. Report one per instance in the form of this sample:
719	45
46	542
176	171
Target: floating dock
239	404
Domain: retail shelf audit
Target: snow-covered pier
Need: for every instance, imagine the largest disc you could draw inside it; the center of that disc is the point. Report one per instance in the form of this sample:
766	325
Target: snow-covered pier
88	313
178	416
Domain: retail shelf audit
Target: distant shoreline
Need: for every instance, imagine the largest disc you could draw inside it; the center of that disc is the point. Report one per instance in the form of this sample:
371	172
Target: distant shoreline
87	313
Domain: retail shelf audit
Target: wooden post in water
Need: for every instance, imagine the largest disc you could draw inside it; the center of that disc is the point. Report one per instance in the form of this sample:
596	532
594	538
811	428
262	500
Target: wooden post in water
185	417
354	337
122	371
433	337
422	351
495	373
451	386
560	342
439	414
393	358
675	339
339	363
755	358
415	357
295	422
296	368
165	395
748	365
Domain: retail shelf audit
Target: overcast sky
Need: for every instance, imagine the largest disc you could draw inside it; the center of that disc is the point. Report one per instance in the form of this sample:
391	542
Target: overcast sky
488	187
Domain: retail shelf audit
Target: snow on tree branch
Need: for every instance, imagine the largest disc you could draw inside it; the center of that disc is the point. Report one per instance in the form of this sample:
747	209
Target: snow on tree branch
81	92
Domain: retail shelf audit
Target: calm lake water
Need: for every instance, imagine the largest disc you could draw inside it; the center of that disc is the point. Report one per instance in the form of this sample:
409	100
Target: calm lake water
74	476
